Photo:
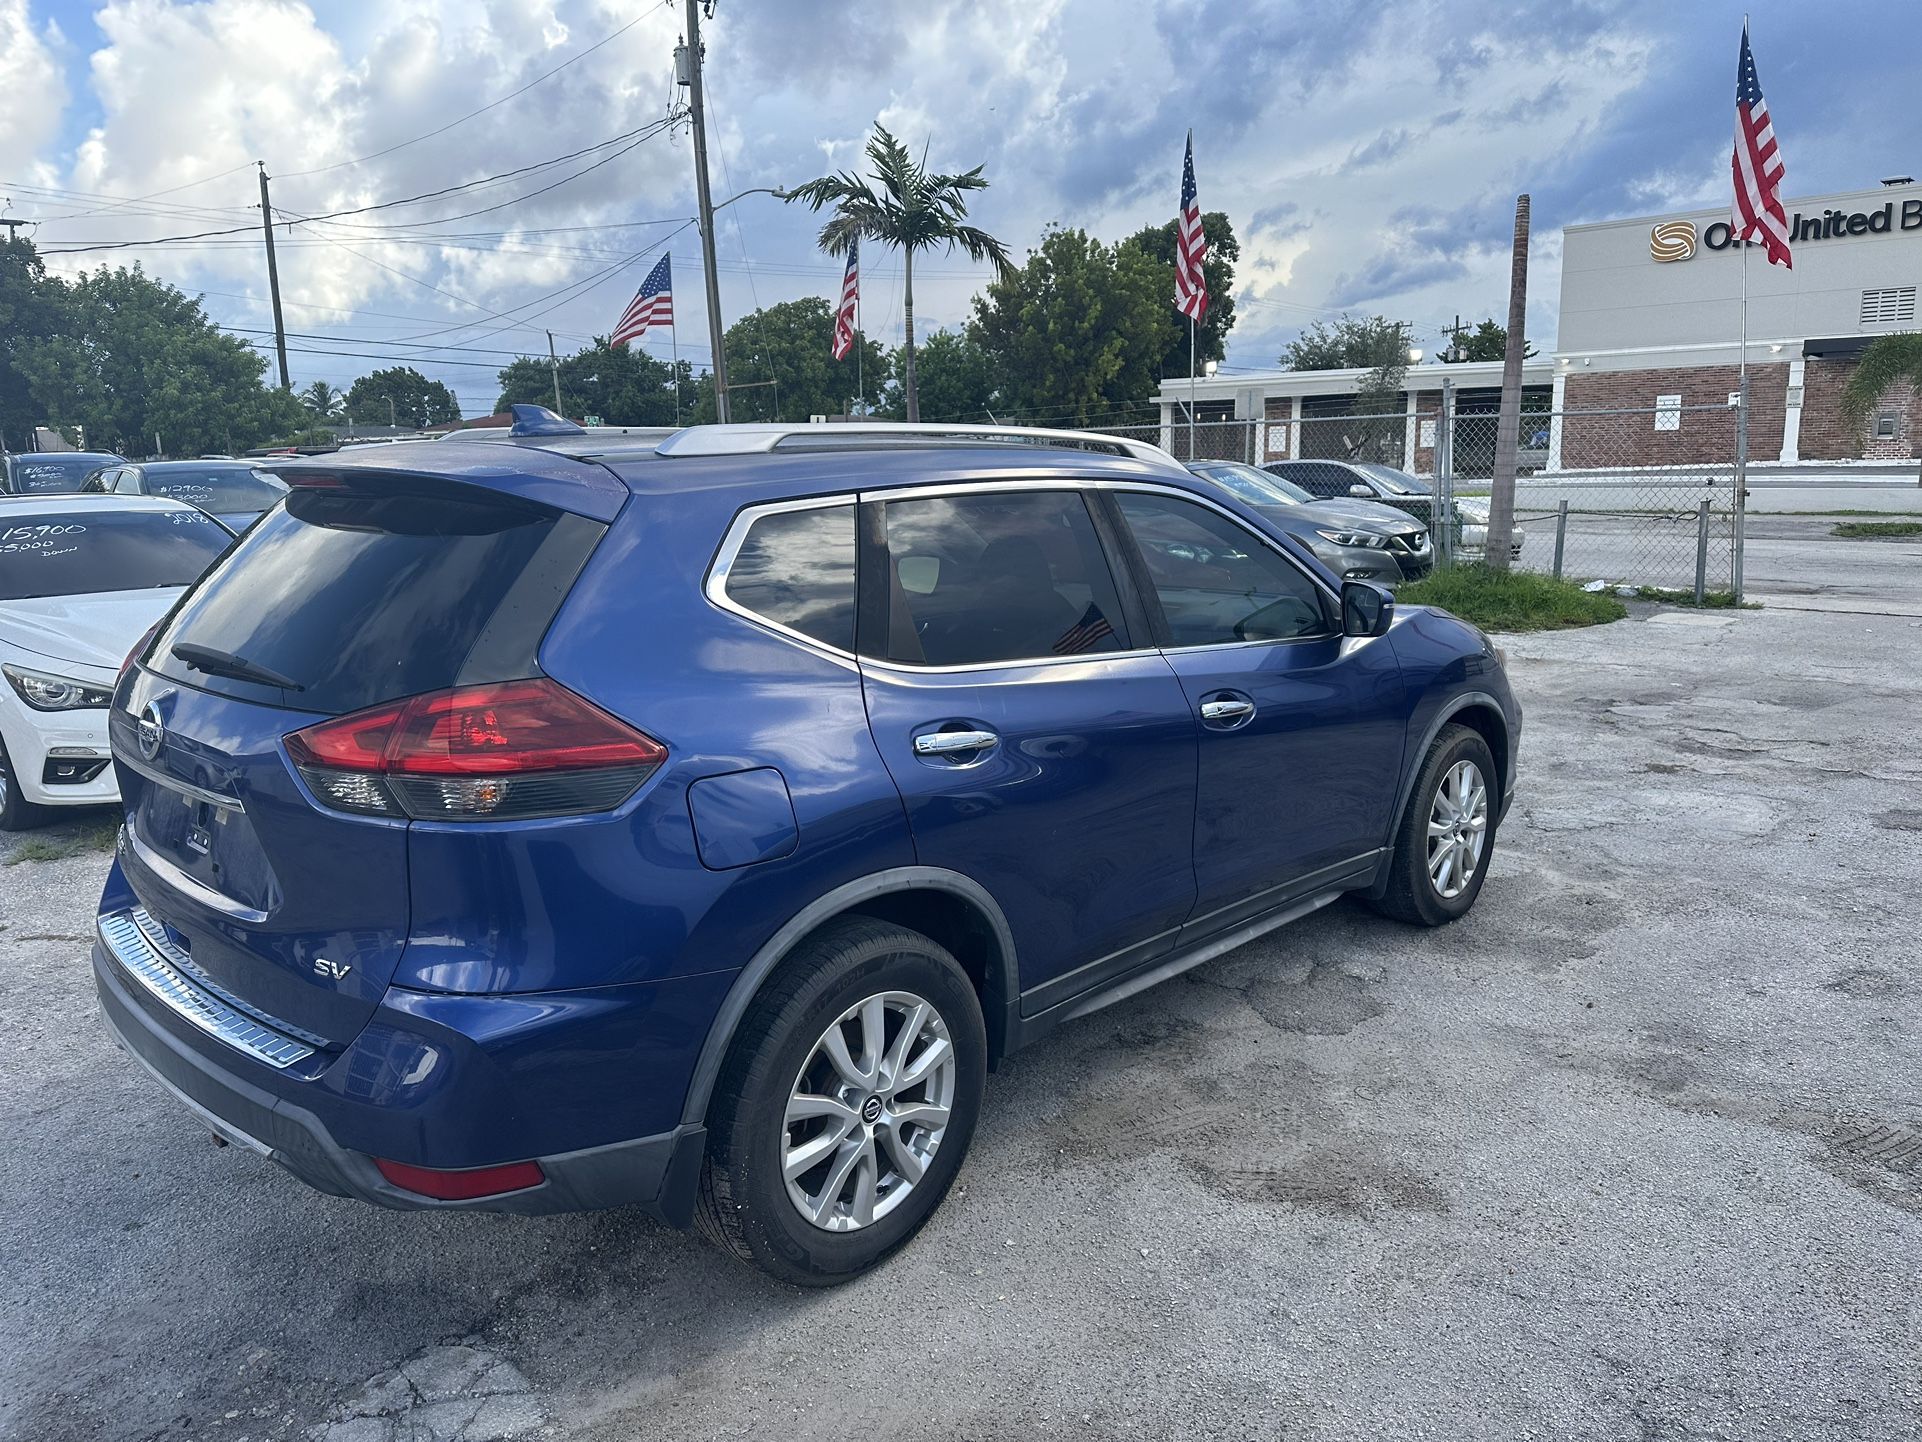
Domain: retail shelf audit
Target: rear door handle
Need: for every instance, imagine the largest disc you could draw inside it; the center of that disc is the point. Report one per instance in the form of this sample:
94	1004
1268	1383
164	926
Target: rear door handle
1226	710
946	743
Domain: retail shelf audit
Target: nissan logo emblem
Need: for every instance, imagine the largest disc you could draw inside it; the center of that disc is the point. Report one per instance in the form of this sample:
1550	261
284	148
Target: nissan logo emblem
150	730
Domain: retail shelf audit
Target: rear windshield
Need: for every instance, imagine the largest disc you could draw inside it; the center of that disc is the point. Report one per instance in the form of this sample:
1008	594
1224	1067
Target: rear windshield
222	488
82	553
1398	482
362	599
53	473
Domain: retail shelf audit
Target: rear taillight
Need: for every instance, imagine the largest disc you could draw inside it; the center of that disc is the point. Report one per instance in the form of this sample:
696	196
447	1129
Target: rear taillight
505	751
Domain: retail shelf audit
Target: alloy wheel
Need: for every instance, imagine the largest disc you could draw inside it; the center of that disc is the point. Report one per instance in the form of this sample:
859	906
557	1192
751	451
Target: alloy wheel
1457	829
867	1111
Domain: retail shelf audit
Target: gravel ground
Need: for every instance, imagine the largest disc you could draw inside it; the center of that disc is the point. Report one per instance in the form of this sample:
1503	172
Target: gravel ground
1633	1151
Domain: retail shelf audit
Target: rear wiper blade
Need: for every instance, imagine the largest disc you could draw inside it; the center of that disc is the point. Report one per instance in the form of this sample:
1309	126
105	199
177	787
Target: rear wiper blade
225	663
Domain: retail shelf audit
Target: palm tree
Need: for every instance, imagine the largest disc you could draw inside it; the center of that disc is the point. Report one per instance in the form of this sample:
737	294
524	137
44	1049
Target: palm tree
323	402
1889	360
907	208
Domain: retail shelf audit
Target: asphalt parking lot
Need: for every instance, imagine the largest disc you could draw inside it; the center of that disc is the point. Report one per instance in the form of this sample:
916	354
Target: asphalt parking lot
1633	1151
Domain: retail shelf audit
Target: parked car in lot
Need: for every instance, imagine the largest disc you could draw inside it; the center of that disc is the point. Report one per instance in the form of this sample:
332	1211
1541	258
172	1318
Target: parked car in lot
233	491
79	582
694	827
1369	480
39	473
1357	540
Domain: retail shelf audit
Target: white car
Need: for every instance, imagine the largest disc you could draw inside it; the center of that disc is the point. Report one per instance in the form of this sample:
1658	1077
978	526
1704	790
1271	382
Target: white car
82	579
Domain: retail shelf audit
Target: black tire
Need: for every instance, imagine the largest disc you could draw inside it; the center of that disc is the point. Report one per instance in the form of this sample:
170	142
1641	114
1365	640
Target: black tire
744	1205
16	812
1412	893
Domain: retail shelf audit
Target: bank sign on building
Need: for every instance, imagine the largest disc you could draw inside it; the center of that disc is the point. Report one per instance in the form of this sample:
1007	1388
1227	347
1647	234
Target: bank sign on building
1650	323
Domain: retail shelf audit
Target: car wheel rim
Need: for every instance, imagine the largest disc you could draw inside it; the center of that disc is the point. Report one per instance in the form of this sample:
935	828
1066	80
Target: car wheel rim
1457	830
867	1111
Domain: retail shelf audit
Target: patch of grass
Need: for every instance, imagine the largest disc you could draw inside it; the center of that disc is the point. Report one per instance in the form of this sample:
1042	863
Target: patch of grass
1712	600
1876	530
1515	601
59	845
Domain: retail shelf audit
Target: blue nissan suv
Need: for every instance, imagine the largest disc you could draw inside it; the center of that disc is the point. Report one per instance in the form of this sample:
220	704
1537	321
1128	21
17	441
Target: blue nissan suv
528	829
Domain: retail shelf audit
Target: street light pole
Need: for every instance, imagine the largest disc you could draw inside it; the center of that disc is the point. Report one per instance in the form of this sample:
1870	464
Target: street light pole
697	115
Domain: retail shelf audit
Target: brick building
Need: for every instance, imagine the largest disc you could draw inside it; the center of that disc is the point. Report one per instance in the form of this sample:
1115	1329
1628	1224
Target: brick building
1647	361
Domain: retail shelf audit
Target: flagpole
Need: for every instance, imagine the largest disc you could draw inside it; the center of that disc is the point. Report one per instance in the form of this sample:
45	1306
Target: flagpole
674	339
1741	415
1191	387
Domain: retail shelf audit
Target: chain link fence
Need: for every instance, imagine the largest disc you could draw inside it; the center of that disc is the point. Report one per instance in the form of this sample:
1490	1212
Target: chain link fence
1641	497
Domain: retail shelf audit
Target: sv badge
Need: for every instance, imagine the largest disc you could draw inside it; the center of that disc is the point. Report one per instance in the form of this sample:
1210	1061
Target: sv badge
334	970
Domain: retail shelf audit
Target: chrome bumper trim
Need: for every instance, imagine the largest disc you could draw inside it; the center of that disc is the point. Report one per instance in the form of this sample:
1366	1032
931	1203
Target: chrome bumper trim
140	945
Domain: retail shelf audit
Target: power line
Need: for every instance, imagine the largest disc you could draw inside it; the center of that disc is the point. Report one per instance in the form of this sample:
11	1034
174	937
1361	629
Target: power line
462	120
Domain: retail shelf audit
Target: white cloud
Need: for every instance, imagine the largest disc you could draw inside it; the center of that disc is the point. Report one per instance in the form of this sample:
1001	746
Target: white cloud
33	90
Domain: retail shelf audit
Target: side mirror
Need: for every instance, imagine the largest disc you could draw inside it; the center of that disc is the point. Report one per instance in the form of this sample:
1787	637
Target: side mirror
1361	492
1366	609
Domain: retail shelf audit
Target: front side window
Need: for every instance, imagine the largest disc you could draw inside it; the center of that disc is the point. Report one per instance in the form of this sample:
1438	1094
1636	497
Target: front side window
985	579
1217	582
796	569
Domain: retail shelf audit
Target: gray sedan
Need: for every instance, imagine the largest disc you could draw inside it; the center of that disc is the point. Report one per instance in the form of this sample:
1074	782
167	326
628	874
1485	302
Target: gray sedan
1357	540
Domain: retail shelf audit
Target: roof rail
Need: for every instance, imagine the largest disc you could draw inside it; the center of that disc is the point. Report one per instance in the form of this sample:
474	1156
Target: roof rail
747	439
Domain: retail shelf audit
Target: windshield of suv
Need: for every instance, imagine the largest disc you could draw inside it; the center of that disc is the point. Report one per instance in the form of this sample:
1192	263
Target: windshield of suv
1398	483
54	472
1256	487
84	552
216	488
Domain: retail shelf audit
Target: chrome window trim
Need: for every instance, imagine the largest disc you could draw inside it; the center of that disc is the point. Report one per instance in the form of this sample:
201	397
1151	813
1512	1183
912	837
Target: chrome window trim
140	946
715	587
722	566
174	783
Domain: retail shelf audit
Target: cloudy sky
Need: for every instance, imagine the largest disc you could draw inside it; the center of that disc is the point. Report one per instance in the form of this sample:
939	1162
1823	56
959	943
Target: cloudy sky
1368	154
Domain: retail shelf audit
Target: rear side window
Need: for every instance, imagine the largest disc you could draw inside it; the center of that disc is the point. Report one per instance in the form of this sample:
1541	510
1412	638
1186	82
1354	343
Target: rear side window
978	580
365	598
1217	582
796	569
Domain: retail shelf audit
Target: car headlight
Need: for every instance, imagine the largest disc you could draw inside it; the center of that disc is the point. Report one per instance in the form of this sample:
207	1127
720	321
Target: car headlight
55	693
1355	538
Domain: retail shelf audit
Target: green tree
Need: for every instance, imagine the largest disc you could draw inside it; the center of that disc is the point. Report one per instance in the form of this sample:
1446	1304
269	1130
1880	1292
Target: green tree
1077	331
323	402
957	380
1888	361
134	358
623	385
33	310
401	396
1486	342
1379	344
907	208
791	345
1211	336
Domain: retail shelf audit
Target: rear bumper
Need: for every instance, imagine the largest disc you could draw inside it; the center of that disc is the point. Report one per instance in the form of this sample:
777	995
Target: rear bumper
657	1172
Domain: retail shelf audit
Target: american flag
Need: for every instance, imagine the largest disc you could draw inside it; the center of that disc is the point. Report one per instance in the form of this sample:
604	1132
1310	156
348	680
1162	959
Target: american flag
1758	166
1191	247
653	304
1091	633
850	294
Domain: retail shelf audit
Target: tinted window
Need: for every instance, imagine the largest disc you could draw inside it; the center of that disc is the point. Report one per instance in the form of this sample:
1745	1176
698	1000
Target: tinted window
1217	581
96	549
52	472
796	568
365	598
216	488
1011	577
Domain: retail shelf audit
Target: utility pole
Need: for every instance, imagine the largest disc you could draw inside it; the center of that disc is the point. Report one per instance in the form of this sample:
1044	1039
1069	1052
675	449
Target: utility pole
555	361
393	416
273	276
697	114
1501	493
